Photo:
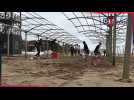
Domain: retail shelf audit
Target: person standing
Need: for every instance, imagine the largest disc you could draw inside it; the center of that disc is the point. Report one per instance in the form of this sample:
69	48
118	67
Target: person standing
75	50
86	50
38	47
78	50
72	50
104	52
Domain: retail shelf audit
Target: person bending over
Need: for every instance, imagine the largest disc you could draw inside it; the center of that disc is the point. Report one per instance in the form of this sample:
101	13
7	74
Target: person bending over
97	50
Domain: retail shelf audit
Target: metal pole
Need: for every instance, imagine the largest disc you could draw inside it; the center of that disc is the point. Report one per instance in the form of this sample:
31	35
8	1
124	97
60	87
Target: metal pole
8	41
132	51
38	37
47	45
25	44
114	41
125	75
20	23
0	66
110	39
118	52
63	49
12	49
110	44
20	31
123	50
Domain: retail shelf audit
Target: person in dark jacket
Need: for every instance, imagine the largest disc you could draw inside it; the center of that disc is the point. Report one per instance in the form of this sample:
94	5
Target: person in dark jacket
72	50
75	50
38	46
97	49
104	52
86	50
78	50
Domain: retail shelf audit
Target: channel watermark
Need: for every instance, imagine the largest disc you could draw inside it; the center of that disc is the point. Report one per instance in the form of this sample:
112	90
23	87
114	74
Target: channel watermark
109	20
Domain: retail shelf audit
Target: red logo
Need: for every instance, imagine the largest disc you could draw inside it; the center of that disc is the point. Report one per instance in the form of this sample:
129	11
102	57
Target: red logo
110	21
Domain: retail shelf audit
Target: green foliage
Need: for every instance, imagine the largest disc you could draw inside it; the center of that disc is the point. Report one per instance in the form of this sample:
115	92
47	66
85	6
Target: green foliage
55	46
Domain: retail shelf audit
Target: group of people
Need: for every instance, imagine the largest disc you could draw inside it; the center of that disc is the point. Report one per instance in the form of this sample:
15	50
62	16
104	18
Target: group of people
75	50
96	50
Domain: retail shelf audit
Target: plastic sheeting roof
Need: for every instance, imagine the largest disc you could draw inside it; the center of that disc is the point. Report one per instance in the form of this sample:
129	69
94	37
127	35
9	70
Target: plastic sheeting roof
37	25
92	24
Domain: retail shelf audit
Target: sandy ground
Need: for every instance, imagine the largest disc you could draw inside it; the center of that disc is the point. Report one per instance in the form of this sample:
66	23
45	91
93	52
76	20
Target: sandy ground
67	72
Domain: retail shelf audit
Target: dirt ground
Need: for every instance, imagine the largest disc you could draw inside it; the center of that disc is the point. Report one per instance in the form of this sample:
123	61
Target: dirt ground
65	72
